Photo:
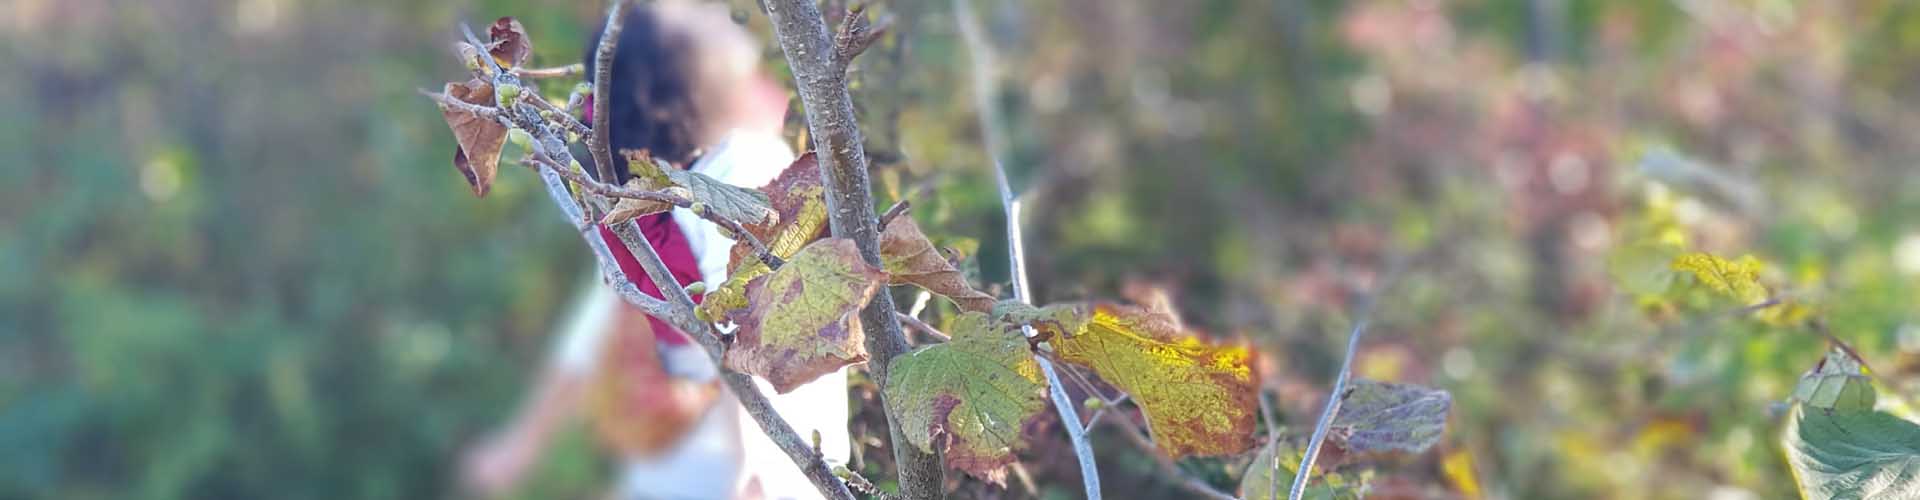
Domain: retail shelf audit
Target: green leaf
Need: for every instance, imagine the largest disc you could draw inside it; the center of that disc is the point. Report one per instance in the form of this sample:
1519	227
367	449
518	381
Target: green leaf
1839	447
1199	398
973	398
1837	383
1853	454
1383	417
803	320
1258	481
911	259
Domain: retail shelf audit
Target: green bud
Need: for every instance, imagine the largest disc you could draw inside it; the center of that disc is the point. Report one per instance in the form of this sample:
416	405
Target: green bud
842	472
507	93
520	138
583	88
699	208
1094	403
697	288
573	136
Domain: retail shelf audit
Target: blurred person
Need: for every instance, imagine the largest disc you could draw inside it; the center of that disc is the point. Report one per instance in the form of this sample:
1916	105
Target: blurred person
685	78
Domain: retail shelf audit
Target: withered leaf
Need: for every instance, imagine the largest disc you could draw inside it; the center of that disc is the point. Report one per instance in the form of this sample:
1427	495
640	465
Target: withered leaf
911	259
1385	417
803	320
479	138
508	42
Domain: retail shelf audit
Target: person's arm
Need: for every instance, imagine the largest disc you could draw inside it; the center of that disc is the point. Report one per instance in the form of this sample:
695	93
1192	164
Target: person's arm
498	462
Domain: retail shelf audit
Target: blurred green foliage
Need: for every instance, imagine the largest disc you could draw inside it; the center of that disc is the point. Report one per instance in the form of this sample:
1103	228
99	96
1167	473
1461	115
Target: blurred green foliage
236	263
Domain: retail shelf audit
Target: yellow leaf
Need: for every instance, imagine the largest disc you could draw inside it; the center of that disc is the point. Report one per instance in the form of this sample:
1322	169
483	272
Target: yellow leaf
1199	399
1458	467
1739	279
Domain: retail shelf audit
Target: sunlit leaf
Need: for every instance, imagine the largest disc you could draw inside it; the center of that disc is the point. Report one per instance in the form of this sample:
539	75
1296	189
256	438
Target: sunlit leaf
1199	398
800	218
1383	417
1847	450
478	138
1258	481
1738	279
911	259
803	320
973	398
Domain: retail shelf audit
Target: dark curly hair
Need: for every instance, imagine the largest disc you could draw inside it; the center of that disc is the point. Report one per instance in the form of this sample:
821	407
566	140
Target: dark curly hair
652	101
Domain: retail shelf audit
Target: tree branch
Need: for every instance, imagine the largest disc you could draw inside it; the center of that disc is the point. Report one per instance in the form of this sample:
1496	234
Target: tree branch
1131	430
843	171
737	230
602	79
923	327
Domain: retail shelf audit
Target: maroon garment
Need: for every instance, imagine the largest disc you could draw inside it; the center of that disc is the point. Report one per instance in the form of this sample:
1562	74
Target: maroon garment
674	250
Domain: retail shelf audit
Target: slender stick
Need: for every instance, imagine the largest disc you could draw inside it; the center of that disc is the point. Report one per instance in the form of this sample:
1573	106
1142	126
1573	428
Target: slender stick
1362	315
984	78
603	79
1062	403
553	72
1131	430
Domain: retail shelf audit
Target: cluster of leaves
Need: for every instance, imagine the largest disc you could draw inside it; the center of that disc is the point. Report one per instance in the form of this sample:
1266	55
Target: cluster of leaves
1838	445
974	397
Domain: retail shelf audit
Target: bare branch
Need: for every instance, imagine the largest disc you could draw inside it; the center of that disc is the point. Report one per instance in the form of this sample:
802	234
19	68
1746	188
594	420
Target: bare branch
738	231
1131	430
554	72
1361	318
923	327
603	79
898	208
849	195
855	35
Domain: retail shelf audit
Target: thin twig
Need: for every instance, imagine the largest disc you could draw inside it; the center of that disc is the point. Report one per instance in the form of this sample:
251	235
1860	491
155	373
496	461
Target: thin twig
1362	316
1131	430
739	231
1062	403
602	81
981	53
922	326
554	72
899	207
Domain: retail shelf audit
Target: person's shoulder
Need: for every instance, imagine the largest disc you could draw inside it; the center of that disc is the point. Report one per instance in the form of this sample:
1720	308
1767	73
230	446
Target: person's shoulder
746	159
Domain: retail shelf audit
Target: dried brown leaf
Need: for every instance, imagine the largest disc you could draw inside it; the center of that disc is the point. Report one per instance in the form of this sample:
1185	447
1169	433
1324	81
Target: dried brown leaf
479	138
910	258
